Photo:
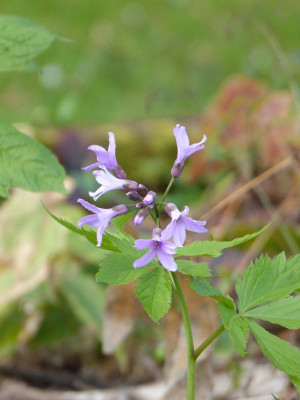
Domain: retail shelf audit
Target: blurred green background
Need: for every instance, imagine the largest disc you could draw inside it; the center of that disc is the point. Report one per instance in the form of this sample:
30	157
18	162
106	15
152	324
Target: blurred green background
131	60
227	68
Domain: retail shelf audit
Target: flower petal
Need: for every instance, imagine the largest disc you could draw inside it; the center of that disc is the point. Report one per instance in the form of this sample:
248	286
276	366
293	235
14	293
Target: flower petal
168	247
167	261
112	144
89	206
167	233
145	259
91	220
142	244
92	166
194	226
182	139
100	232
179	234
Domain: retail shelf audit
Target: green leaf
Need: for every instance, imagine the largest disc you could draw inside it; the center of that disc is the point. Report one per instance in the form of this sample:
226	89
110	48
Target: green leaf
194	269
214	248
85	297
205	289
236	327
20	41
267	280
282	354
285	312
118	269
154	291
27	164
87	233
120	221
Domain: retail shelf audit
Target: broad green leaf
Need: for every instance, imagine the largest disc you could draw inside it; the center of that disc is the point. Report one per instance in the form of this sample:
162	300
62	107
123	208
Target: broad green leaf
123	242
87	233
282	354
214	248
194	269
154	291
20	41
120	221
267	280
118	269
205	289
236	327
85	297
285	312
27	164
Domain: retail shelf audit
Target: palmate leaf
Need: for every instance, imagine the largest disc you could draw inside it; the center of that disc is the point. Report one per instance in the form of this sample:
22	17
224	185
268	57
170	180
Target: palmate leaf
154	292
87	233
214	248
236	327
117	269
27	164
282	354
284	312
192	268
268	280
20	41
205	289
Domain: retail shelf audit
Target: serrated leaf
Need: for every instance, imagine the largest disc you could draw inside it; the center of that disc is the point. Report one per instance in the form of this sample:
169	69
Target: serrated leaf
214	248
205	289
123	242
20	41
236	327
267	280
194	269
154	292
117	269
87	233
85	297
285	312
282	354
120	221
27	164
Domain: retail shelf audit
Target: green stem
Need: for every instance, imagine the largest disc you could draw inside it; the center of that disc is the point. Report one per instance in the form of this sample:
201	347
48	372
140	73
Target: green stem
166	193
191	362
208	341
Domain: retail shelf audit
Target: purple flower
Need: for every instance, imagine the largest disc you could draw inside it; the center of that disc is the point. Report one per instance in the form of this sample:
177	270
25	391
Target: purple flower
107	158
184	149
110	182
160	248
100	217
180	224
150	198
140	216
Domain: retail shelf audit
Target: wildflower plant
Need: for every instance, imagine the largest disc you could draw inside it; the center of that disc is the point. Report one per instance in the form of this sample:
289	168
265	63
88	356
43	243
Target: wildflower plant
266	291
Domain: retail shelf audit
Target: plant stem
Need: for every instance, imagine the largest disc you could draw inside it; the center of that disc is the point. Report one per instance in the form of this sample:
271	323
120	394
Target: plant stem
166	193
191	362
208	341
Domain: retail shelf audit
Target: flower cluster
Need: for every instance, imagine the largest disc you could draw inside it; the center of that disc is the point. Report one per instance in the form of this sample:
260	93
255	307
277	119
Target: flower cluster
111	176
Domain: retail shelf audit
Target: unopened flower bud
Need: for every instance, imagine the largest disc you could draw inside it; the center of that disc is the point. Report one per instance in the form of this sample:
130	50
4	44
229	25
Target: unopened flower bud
130	186
119	173
121	209
150	198
133	196
140	205
142	190
140	216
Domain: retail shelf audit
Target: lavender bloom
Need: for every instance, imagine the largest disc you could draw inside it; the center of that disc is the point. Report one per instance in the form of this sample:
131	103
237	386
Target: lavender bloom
150	198
184	149
100	217
110	182
106	158
140	216
160	248
180	224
